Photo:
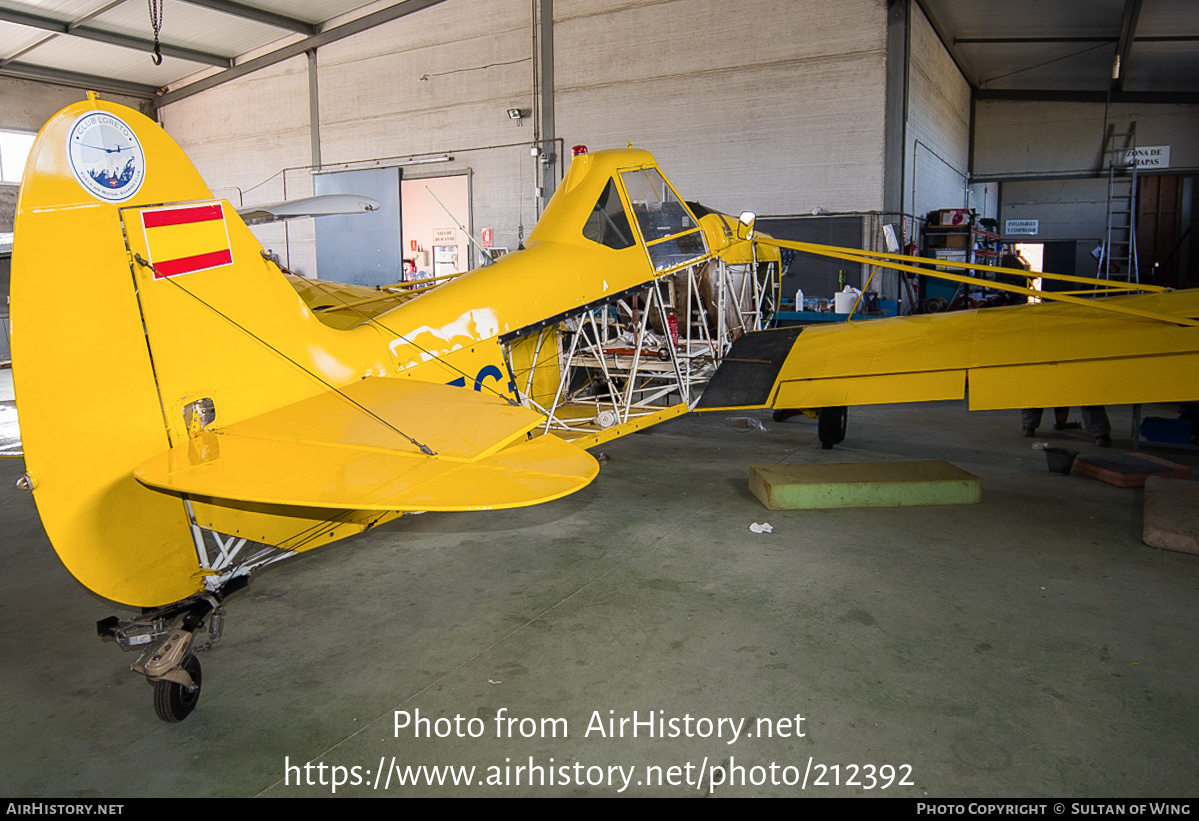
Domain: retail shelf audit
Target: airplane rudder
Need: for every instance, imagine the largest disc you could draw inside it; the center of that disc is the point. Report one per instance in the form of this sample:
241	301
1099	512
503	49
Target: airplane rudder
87	398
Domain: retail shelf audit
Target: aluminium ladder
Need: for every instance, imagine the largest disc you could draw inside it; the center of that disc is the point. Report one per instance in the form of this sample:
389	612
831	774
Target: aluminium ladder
1119	259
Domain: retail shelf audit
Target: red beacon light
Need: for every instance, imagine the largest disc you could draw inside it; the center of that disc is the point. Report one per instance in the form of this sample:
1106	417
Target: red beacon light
577	150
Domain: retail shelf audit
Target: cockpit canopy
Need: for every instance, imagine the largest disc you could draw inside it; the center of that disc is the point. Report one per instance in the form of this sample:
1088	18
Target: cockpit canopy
670	232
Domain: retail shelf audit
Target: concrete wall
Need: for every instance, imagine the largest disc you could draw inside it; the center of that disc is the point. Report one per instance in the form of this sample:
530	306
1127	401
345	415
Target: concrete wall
774	105
26	106
1049	157
8	207
739	116
938	125
1021	139
241	135
1066	209
771	105
437	81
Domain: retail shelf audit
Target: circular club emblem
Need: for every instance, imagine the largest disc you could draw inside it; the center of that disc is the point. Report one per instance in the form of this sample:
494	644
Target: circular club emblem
106	157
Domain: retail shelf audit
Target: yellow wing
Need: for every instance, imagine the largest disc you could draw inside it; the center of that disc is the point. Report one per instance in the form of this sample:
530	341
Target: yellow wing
345	307
1020	356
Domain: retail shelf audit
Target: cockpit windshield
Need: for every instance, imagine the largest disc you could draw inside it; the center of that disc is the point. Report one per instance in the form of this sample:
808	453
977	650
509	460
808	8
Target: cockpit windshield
671	234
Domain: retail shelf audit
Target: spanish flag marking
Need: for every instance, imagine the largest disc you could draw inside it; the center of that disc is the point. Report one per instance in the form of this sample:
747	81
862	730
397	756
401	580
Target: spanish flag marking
188	239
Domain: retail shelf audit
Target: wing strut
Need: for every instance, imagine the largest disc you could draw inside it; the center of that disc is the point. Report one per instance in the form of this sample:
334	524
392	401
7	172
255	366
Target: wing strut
902	262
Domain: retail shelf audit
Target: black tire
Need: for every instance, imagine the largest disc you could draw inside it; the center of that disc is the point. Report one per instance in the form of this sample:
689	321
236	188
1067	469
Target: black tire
173	702
830	427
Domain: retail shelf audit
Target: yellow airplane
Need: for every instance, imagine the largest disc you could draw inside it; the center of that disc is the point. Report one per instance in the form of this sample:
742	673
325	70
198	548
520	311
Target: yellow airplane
240	415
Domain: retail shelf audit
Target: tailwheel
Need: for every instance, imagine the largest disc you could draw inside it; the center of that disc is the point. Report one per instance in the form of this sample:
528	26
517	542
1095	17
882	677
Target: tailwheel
831	425
174	701
168	653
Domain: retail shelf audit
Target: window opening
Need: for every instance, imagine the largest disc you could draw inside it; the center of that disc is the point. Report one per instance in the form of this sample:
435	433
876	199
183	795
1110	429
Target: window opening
608	224
14	151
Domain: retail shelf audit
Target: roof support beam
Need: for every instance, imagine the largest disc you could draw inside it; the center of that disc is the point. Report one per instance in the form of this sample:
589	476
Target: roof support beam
942	35
1061	96
257	15
111	37
989	41
1020	40
1128	33
369	21
314	111
25	71
544	132
895	107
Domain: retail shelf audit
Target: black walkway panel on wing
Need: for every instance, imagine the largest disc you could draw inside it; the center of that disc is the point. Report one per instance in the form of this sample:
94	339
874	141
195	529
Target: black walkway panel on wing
749	370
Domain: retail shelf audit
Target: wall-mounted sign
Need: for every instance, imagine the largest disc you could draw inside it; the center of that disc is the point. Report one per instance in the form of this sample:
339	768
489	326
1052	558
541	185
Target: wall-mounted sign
1030	227
488	237
445	236
1148	156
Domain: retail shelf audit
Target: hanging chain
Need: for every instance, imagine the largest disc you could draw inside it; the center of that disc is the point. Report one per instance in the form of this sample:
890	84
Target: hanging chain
156	7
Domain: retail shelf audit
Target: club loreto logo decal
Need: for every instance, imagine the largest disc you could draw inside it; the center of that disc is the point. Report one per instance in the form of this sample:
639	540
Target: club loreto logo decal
106	157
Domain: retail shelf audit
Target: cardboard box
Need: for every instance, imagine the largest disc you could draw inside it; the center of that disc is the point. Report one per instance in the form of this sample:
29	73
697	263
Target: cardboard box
953	216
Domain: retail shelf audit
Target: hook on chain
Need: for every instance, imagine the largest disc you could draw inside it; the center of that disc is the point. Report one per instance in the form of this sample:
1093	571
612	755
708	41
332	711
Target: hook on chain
155	8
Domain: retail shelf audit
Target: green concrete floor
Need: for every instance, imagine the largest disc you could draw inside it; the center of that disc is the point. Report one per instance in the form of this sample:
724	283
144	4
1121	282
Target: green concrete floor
1027	646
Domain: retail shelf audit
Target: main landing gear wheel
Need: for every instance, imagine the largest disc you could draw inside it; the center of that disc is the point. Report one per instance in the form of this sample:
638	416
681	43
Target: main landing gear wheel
830	427
175	702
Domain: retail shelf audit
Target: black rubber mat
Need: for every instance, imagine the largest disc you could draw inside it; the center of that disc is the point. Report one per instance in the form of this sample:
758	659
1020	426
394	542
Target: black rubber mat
748	372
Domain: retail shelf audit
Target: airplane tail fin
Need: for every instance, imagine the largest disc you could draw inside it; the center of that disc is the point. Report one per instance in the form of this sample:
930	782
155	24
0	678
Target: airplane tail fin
87	397
147	317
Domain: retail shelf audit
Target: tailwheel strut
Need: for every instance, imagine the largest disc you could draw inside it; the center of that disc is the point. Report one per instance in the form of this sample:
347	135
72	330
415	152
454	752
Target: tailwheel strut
168	659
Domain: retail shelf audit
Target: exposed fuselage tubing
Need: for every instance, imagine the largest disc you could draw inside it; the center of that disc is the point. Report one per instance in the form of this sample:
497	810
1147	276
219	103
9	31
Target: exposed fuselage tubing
574	343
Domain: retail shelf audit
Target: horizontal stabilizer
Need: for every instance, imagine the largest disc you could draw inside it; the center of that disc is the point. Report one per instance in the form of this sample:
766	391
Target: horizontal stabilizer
353	449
